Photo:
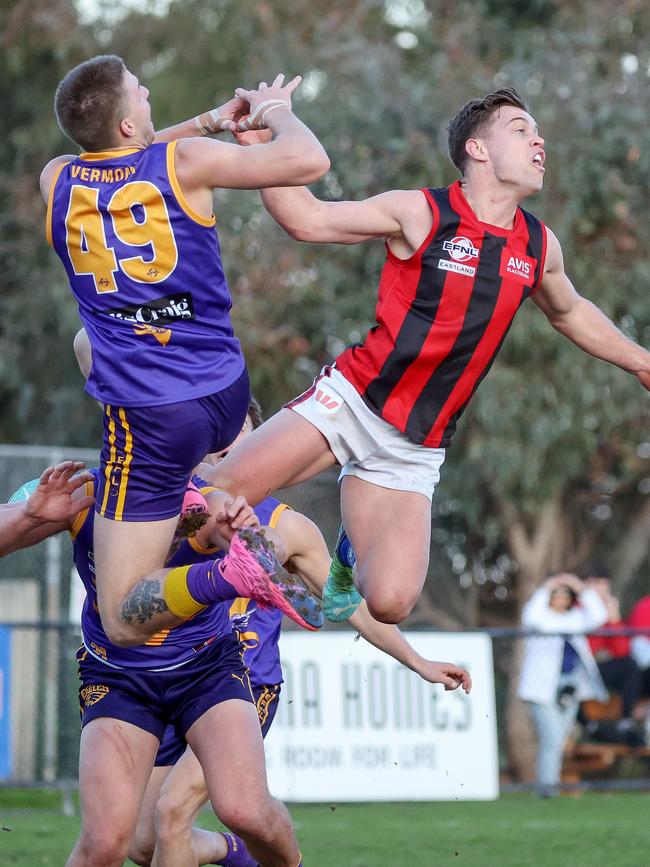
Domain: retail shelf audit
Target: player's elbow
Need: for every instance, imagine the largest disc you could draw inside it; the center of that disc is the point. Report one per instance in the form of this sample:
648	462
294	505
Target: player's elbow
121	634
305	165
317	163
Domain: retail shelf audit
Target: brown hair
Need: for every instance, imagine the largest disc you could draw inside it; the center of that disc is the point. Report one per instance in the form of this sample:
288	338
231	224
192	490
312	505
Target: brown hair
473	119
88	101
255	413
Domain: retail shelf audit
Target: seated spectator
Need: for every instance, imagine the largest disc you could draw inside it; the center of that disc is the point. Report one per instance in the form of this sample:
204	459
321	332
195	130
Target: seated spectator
559	670
619	670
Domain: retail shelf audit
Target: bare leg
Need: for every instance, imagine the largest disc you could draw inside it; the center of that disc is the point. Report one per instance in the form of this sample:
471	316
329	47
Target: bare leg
115	763
390	532
286	449
228	743
144	840
183	794
125	552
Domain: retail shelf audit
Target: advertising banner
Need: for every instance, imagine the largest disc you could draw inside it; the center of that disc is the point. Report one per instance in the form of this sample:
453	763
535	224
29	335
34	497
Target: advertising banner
354	725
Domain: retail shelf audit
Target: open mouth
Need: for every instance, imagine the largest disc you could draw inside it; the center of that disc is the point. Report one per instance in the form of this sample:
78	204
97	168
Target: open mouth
538	160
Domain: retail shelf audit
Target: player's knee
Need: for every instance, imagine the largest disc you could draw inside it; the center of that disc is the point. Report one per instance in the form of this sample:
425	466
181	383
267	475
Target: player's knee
105	845
172	816
141	851
246	819
389	605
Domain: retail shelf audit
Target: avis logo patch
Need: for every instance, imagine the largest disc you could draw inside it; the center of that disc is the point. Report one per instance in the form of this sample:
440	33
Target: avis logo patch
326	402
521	267
90	695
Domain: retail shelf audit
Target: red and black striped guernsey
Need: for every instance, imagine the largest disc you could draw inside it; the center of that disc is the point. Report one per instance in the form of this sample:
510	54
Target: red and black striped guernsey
442	316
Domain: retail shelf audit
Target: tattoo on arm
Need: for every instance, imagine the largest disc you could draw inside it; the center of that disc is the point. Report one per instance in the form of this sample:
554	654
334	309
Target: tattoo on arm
143	601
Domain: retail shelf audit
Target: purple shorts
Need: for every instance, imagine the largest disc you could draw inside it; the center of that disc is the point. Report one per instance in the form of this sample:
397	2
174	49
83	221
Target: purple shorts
173	743
149	452
153	700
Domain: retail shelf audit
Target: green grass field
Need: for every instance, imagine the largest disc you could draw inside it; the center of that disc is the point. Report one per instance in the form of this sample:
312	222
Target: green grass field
595	830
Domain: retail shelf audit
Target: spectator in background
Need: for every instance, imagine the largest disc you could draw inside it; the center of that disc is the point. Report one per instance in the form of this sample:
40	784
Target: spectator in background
559	670
619	670
640	645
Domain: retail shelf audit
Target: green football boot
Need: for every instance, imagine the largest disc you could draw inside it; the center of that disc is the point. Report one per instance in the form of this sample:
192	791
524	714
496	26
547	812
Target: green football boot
340	597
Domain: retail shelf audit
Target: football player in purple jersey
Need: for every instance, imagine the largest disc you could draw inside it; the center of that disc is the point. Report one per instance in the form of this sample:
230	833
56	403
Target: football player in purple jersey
132	221
192	678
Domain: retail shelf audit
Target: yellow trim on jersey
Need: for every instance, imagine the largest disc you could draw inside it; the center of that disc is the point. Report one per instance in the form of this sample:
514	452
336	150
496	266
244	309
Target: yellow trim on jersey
239	606
126	467
275	514
159	638
94	156
50	203
199	548
178	192
177	597
80	519
111	459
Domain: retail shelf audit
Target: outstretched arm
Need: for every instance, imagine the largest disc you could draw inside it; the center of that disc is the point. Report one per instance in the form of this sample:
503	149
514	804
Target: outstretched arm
403	217
50	509
582	322
293	156
224	118
392	641
307	551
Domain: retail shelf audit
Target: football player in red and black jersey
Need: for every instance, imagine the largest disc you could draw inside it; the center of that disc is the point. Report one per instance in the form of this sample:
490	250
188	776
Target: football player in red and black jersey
460	262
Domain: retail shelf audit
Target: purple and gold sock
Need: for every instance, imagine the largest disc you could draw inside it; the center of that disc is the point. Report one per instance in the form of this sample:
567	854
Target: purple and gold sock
189	589
238	855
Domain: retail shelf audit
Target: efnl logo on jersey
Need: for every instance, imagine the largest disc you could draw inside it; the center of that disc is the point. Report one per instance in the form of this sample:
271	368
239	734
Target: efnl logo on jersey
461	250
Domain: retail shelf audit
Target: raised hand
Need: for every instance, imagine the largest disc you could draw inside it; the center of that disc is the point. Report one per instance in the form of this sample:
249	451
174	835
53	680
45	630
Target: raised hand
52	499
234	515
224	118
266	99
451	676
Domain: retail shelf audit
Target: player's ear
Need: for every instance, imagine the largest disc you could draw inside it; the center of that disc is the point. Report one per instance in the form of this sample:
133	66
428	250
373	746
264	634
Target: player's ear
127	128
475	148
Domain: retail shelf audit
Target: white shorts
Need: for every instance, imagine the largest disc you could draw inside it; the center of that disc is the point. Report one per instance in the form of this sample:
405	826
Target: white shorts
363	443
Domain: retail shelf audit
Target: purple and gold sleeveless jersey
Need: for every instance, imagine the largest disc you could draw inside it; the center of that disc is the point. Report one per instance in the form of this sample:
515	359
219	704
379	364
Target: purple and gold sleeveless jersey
147	275
258	628
169	648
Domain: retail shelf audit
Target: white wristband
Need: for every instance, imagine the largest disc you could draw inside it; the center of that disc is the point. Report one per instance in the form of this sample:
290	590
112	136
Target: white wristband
264	107
271	108
204	127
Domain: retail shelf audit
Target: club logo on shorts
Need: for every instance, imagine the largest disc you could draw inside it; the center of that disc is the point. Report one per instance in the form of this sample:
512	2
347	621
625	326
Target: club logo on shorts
90	695
461	248
326	401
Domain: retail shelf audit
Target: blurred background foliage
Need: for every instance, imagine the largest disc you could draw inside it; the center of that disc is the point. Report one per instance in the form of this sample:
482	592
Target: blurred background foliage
551	466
